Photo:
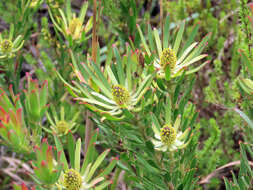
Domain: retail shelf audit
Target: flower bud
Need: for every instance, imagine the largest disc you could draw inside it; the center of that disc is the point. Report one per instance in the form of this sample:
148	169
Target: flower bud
168	135
75	28
120	94
168	57
62	127
6	46
72	180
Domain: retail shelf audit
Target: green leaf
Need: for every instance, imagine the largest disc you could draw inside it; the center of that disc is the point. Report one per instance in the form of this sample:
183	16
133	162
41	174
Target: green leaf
68	10
143	41
119	66
60	149
146	165
129	72
191	38
143	85
65	22
71	148
197	68
156	122
186	52
71	89
88	154
247	62
178	87
161	84
195	59
78	155
168	111
101	75
158	42
102	185
245	117
167	72
179	37
166	32
11	32
97	163
109	168
227	184
128	114
54	22
111	75
83	11
150	39
197	50
97	81
122	166
93	101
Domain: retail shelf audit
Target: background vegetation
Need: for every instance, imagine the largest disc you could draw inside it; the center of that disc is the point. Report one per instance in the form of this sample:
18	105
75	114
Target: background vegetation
216	102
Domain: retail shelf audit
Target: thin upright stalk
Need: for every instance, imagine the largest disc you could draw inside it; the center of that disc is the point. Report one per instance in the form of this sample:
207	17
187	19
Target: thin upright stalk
88	126
161	17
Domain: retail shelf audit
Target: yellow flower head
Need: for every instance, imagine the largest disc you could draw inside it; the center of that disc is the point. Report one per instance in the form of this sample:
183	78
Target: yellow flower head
168	135
34	3
120	94
62	127
6	46
72	180
75	27
168	57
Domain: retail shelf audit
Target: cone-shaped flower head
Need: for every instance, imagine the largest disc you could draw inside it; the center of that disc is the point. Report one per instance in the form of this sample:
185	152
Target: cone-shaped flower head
168	57
72	180
168	135
6	46
75	28
120	95
61	126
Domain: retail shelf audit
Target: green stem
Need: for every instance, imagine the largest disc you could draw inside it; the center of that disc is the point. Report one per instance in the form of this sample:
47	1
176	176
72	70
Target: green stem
115	180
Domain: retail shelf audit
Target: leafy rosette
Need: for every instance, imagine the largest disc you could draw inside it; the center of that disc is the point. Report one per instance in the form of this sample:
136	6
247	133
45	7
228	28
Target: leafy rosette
77	176
46	168
116	92
168	137
13	129
171	59
9	46
70	25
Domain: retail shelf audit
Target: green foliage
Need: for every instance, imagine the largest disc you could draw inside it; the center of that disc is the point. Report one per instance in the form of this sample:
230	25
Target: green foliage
211	143
246	27
123	16
167	116
244	179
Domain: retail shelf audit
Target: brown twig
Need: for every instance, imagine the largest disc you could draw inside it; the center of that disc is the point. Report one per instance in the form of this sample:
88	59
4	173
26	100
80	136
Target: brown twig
14	168
94	32
207	179
88	126
161	17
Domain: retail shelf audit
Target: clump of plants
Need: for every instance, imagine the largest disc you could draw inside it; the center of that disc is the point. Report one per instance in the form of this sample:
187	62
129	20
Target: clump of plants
85	106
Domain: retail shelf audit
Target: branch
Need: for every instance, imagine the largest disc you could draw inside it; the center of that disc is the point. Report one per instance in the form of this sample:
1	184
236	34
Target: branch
216	172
